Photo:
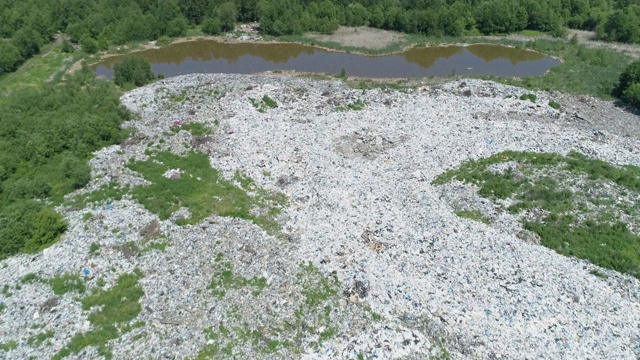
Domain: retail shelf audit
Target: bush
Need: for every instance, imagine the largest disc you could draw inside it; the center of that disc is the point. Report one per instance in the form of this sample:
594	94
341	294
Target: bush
89	44
133	70
46	138
530	97
628	88
67	47
177	27
632	95
211	26
49	225
27	41
10	57
76	170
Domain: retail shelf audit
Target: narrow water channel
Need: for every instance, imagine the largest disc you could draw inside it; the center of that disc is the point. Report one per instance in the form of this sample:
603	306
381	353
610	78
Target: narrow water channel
207	56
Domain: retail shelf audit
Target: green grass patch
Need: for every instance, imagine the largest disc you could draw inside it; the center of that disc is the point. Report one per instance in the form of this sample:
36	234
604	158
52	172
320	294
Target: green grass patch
160	246
554	104
5	291
196	129
114	309
225	279
9	345
94	248
307	324
38	339
264	104
599	274
530	97
530	33
62	284
204	191
355	106
47	67
582	198
30	278
105	194
475	215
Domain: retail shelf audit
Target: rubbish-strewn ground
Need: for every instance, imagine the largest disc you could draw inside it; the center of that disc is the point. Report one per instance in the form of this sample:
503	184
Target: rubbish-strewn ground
365	258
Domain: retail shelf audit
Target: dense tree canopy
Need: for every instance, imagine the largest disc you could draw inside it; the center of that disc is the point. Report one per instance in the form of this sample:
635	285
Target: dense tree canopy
46	137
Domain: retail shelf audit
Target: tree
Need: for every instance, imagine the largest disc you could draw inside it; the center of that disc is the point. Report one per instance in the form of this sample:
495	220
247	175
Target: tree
356	15
27	41
193	10
632	95
628	88
133	70
89	44
10	57
500	16
622	25
177	27
49	225
211	26
281	17
228	14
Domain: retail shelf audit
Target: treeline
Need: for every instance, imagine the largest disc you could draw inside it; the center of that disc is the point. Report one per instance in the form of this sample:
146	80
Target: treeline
26	25
46	138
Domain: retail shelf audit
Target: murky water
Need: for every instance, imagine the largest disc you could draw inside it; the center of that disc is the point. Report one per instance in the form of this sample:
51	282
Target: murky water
245	58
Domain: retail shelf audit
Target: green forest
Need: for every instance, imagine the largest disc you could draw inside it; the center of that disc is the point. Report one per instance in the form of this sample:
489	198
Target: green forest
50	124
26	25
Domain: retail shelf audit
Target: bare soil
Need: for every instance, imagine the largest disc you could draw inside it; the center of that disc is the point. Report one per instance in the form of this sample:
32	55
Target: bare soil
362	36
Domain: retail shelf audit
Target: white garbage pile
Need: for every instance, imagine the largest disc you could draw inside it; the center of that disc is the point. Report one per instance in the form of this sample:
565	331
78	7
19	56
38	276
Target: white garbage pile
361	204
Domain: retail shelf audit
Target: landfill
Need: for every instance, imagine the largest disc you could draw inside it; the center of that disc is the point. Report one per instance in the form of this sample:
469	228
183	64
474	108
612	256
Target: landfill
414	280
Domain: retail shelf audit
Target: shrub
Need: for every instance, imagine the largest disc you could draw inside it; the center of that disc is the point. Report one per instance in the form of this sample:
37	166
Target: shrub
27	42
67	47
89	44
628	88
10	57
632	95
212	26
554	104
177	27
530	97
49	225
133	69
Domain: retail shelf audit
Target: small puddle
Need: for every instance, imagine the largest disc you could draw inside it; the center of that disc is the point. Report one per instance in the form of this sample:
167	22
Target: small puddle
206	56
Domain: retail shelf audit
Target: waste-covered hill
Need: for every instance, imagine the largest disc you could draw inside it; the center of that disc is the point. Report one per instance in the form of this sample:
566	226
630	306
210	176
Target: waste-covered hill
282	217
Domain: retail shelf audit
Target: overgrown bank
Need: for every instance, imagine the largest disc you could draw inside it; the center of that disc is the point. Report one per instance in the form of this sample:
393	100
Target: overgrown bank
47	135
575	205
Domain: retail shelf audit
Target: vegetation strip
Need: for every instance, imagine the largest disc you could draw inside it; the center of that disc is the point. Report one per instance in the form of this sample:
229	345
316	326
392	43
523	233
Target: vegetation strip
115	308
578	206
203	191
303	322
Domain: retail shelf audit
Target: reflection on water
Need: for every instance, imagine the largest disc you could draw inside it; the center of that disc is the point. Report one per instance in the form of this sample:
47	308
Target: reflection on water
494	52
207	56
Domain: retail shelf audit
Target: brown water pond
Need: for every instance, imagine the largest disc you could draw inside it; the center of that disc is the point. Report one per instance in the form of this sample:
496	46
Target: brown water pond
207	56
